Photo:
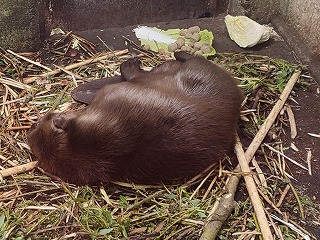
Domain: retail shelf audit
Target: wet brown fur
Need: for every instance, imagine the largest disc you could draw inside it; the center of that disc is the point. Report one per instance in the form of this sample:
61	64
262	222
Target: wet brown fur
161	126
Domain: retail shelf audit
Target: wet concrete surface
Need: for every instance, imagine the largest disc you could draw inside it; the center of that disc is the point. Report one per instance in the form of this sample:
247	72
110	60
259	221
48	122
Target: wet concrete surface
306	110
222	43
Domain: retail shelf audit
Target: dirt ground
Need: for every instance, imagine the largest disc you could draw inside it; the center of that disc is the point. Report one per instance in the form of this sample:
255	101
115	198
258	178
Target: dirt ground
306	108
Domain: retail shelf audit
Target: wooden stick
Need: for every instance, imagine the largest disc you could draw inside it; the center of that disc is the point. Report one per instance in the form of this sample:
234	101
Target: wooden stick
212	227
75	65
18	128
253	192
18	169
220	212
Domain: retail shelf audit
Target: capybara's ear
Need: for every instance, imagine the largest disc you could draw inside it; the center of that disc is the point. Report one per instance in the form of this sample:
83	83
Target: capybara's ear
182	56
85	93
61	121
130	69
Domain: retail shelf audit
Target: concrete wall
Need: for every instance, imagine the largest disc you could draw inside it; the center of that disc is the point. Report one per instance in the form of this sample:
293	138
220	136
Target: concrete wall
260	11
80	15
304	16
19	25
24	22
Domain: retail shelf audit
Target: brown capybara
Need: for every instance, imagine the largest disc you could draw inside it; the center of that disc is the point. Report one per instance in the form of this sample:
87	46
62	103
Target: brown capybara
148	127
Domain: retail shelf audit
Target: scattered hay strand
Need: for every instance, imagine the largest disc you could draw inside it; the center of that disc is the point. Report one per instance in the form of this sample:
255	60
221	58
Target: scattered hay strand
309	157
292	121
14	83
283	195
283	155
290	225
76	65
314	135
30	61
